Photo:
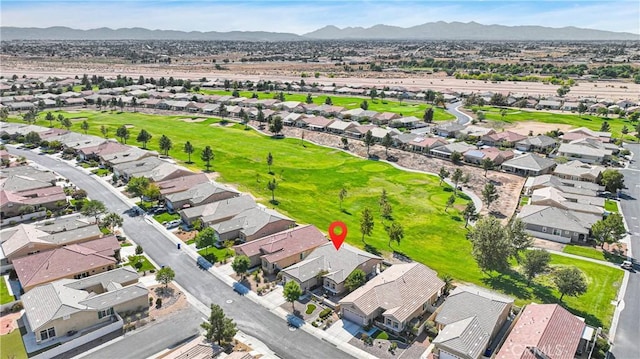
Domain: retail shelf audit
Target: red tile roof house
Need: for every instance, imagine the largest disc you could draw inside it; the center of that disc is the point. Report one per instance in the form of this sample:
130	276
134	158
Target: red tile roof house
278	251
546	331
426	144
506	138
103	149
12	202
492	153
73	262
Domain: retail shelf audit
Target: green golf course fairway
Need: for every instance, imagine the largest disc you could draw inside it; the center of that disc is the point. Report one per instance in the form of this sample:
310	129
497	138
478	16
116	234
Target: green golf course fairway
309	179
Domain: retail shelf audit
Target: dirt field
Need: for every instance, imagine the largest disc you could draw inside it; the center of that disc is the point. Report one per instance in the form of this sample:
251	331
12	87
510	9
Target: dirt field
285	71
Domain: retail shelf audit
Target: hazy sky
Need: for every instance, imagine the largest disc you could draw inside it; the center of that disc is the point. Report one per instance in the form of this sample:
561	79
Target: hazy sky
304	16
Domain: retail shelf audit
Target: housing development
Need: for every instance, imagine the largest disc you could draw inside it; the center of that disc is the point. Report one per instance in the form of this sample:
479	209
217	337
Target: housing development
179	199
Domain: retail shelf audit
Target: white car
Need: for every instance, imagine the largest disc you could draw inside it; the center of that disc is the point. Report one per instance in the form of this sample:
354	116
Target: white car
627	265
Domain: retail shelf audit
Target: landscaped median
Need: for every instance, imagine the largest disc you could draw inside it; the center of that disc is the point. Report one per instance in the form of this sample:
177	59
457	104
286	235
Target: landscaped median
309	179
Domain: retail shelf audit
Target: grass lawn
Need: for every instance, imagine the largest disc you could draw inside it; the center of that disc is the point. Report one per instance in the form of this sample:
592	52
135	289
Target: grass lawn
593	253
101	172
382	335
146	265
213	254
11	345
166	217
403	108
611	206
524	200
309	180
5	297
575	120
310	308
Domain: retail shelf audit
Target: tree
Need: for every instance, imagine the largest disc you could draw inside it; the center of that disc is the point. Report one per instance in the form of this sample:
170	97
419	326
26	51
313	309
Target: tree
395	232
450	202
99	103
487	165
609	230
456	177
481	116
443	174
152	192
219	327
139	250
93	208
386	210
260	116
563	90
309	99
207	156
355	280
602	111
368	140
123	133
84	126
292	292
345	142
535	262
276	125
342	195
328	101
144	137
366	223
165	275
428	115
222	110
364	105
605	127
582	108
50	117
373	93
188	149
272	185
137	186
134	103
489	194
241	265
104	130
624	130
4	114
32	138
387	141
491	246
456	157
519	238
205	238
165	144
570	281
448	283
112	220
66	123
612	180
469	213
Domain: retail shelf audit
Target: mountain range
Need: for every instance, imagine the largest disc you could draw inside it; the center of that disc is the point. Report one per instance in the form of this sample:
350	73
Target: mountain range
429	31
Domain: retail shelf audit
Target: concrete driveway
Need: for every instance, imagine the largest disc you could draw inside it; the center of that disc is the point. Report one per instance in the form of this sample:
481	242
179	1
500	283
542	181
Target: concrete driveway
344	330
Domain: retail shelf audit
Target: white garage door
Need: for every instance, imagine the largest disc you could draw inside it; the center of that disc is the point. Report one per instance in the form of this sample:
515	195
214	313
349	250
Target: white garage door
352	316
447	355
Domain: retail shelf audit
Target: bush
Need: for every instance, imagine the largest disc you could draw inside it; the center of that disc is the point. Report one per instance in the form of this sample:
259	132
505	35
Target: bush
325	313
601	349
17	307
393	346
310	308
314	323
159	303
150	301
139	250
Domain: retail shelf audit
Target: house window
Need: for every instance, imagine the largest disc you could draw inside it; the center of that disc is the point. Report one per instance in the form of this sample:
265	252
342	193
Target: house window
544	229
557	232
388	321
47	333
395	325
301	256
105	313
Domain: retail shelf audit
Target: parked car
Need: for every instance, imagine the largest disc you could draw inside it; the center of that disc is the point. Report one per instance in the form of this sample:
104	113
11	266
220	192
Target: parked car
628	265
172	224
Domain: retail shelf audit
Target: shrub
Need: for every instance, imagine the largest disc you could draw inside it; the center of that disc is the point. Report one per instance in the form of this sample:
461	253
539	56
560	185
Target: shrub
139	250
17	307
314	323
150	301
159	303
393	346
310	308
325	313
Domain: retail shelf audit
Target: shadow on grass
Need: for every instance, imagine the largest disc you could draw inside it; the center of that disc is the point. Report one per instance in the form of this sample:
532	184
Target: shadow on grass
613	257
456	218
345	212
371	249
274	202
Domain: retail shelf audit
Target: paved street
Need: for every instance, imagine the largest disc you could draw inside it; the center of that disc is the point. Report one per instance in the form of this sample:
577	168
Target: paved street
628	331
462	118
251	318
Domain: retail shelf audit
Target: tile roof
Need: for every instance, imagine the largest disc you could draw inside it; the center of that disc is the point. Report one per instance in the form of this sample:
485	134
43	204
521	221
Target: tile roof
182	183
544	328
200	192
250	221
399	291
216	211
283	244
530	161
553	217
338	263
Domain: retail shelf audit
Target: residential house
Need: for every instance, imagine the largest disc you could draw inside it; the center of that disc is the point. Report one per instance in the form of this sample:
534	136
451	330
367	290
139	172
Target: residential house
556	224
73	308
447	150
358	131
102	149
578	171
384	118
277	251
20	106
329	268
152	168
449	129
316	123
548	105
583	132
13	203
130	154
565	185
550	196
251	224
469	322
181	183
406	122
546	331
396	299
426	144
505	138
529	164
584	153
340	127
497	156
404	139
540	143
70	261
474	132
202	193
25	178
216	212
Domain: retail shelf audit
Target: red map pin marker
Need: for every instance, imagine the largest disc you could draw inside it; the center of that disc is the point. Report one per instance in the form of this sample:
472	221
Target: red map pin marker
337	239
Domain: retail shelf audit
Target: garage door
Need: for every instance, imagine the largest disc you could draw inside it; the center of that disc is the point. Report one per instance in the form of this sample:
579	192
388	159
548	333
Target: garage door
352	316
447	355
